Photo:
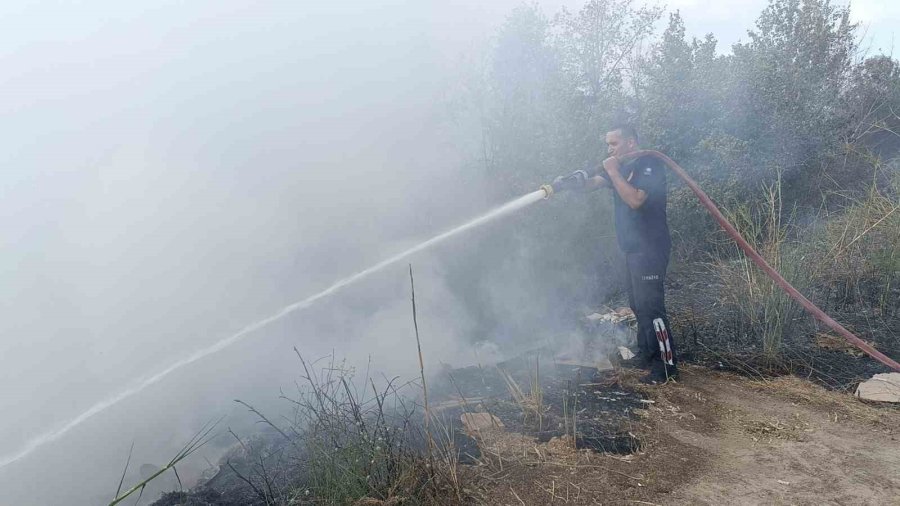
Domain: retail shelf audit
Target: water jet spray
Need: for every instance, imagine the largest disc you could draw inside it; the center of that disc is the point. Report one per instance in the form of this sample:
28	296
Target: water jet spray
33	444
572	182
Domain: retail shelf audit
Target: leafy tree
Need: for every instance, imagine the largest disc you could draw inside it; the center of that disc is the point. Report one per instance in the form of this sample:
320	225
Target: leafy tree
523	83
680	102
794	70
598	47
873	105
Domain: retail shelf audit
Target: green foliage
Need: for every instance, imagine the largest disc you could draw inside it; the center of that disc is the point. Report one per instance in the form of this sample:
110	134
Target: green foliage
873	106
796	101
679	101
795	69
522	83
597	42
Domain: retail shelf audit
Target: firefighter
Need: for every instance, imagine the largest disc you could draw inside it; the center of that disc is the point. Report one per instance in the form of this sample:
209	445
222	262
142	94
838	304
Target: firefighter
638	187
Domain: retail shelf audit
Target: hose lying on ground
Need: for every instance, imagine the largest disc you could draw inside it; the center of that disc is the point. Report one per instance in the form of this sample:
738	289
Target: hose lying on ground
761	262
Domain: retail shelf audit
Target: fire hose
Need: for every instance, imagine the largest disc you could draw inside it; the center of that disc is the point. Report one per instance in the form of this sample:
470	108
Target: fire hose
579	178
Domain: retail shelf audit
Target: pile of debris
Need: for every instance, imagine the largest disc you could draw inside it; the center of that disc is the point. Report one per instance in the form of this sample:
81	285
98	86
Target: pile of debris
618	316
567	392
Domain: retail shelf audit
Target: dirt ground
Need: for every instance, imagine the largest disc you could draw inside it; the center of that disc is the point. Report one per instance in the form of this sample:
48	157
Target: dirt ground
712	438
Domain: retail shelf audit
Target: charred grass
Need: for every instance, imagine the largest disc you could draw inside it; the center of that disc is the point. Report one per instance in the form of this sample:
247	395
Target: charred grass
352	440
729	315
570	434
348	440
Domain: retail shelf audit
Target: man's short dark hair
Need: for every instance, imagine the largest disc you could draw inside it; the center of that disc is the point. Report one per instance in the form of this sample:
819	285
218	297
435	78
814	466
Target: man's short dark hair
627	131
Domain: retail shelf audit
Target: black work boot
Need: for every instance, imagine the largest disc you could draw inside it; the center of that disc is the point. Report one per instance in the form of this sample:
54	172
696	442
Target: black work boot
660	373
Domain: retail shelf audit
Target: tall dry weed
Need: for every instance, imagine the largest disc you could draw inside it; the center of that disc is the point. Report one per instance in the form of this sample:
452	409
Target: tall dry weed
765	313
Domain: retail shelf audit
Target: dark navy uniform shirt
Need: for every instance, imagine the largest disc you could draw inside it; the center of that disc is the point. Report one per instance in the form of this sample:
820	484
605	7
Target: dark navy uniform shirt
645	229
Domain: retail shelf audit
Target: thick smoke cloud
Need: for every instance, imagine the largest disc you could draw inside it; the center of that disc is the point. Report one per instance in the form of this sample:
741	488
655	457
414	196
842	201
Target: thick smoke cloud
176	172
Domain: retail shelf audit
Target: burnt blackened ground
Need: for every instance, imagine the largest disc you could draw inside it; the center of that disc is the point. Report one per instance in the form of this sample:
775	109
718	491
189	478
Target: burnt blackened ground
203	497
600	407
708	333
592	403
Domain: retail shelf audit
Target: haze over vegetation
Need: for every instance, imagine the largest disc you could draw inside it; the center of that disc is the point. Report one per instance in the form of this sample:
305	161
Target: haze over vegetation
176	172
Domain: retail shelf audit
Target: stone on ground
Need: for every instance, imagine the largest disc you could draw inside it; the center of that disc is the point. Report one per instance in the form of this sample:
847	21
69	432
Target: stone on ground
882	387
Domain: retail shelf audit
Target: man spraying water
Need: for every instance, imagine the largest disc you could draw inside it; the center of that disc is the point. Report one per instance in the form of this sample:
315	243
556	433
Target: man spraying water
639	194
638	186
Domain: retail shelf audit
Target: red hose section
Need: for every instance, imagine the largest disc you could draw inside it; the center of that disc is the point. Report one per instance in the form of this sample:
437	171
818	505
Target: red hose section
761	262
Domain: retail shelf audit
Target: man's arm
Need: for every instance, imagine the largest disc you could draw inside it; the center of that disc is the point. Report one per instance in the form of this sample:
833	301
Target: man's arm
595	183
632	196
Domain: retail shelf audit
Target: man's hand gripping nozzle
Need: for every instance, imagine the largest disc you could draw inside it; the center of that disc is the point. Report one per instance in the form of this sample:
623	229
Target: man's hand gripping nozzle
575	181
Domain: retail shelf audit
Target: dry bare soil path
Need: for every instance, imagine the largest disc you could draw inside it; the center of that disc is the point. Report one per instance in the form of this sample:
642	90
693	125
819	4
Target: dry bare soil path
715	438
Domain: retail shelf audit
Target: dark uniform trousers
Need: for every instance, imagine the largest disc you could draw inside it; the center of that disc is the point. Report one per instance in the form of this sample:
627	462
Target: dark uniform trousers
646	277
